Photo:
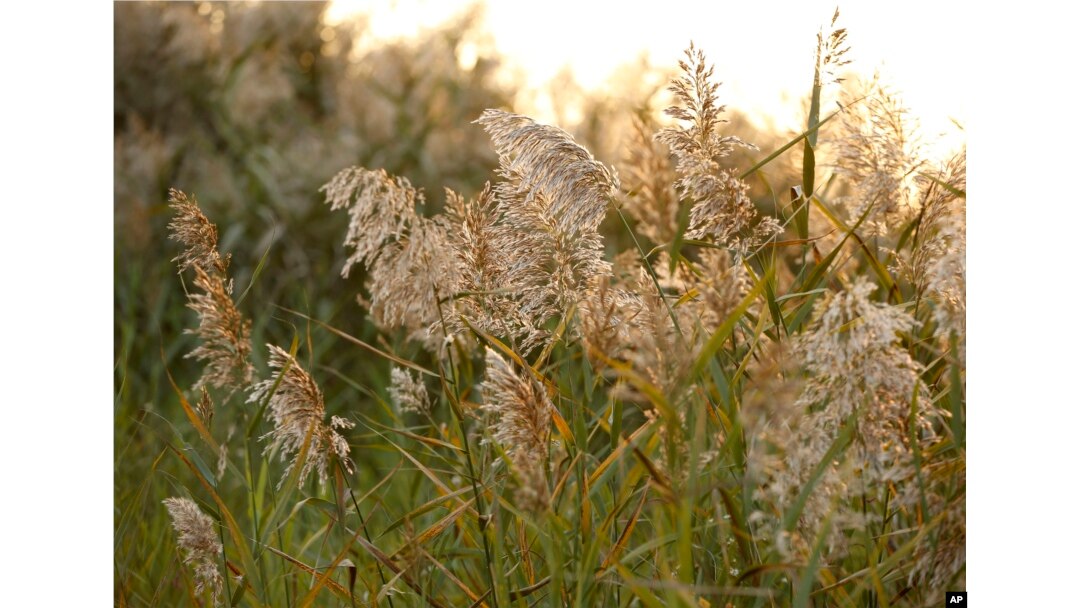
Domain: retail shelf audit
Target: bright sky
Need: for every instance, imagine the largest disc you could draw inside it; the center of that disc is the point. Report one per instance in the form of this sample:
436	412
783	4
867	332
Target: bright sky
763	51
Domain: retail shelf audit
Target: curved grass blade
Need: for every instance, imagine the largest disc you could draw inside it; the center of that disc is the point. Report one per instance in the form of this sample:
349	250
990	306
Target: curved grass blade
791	515
620	544
809	574
189	411
361	343
289	484
724	331
239	540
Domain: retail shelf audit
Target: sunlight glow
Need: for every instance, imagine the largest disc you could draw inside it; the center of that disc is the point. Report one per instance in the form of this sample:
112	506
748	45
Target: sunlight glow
763	51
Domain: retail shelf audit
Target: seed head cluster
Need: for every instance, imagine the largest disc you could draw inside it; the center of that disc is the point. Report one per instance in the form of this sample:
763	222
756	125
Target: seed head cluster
224	332
880	153
299	415
858	377
522	422
521	253
198	539
648	182
408	392
722	209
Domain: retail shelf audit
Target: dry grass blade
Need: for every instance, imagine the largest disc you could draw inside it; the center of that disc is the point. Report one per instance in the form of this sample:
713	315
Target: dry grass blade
627	531
477	600
192	417
398	572
438	527
438	443
239	540
617	452
365	345
324	578
447	492
335	587
424	508
663	484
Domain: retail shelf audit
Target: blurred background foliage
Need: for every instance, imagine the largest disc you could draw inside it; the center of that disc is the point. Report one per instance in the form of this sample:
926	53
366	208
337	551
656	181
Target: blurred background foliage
251	107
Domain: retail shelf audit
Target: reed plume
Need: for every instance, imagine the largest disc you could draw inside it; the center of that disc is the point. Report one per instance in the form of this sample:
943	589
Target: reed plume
198	235
408	392
544	161
720	282
858	376
225	333
520	253
410	261
296	406
941	253
857	366
722	209
649	184
551	201
523	420
380	208
830	52
607	321
879	152
942	554
486	298
198	539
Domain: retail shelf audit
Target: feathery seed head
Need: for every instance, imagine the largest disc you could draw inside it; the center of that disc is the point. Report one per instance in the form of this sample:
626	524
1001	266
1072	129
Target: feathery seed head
855	368
523	413
701	141
881	155
204	407
521	253
939	262
544	160
380	207
606	321
408	392
551	202
721	283
487	298
225	334
410	259
942	554
722	208
296	406
656	348
411	276
851	332
475	220
200	237
649	185
831	48
198	539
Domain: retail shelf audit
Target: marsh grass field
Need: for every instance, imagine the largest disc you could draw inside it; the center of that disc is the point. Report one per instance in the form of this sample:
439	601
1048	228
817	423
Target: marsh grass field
382	340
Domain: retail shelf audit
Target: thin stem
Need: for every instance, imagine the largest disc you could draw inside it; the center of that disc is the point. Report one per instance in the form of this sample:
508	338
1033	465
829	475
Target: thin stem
225	562
363	527
255	518
477	496
652	275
